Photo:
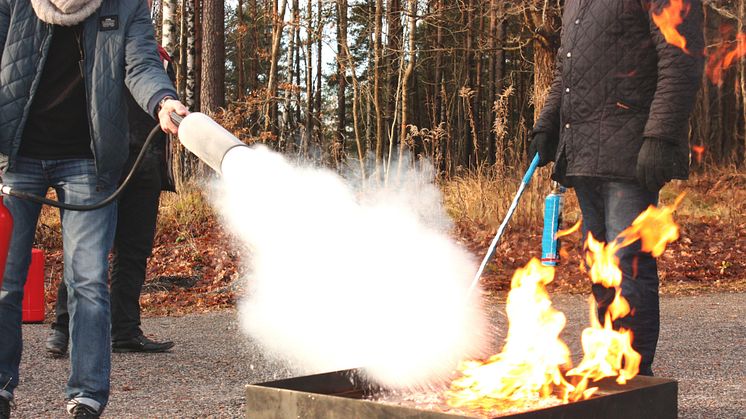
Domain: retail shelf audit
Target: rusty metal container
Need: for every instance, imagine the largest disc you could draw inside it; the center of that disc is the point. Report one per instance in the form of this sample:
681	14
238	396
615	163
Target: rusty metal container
345	395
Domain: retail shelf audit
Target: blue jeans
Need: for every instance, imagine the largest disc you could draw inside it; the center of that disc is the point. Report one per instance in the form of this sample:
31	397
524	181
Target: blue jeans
87	238
608	208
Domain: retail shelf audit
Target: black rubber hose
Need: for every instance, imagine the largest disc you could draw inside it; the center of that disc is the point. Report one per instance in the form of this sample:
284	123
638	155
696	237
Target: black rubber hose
73	207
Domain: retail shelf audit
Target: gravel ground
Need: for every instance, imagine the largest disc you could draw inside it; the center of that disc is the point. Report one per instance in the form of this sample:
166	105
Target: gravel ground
702	346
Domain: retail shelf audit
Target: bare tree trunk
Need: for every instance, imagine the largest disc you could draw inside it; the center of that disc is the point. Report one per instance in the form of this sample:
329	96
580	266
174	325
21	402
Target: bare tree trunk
309	83
437	83
197	13
288	143
377	84
240	87
213	56
298	50
278	24
341	80
319	73
181	65
491	81
742	77
392	64
355	105
546	21
412	20
168	39
252	62
190	87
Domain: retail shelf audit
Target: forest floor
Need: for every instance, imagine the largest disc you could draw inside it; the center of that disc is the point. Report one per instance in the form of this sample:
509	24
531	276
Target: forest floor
196	265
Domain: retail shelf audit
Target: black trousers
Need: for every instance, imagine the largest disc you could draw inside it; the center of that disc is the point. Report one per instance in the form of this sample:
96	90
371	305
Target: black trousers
136	220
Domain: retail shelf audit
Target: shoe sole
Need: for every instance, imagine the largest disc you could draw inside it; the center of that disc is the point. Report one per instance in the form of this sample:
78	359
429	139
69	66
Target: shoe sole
132	350
55	353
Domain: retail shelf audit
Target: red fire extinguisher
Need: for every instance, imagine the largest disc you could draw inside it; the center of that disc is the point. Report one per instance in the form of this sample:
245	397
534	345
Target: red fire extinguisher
6	228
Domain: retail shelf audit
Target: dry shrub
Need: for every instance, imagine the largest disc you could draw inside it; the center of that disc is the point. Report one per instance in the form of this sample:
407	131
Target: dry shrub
49	228
718	194
184	212
482	197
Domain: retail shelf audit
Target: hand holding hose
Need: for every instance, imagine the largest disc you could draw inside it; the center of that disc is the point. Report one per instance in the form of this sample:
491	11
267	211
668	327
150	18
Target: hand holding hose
543	145
168	106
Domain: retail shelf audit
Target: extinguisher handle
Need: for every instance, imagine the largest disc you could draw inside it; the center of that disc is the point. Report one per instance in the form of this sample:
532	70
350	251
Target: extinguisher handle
176	118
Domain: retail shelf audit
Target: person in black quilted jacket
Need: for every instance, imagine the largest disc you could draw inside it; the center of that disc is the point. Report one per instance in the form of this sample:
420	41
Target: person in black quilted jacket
616	125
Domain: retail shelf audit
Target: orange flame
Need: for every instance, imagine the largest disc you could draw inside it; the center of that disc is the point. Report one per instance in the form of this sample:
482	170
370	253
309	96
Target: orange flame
669	18
699	151
531	363
609	352
723	57
567	232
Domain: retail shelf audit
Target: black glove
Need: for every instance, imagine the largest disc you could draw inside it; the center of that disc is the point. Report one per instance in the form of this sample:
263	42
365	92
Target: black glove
542	144
655	164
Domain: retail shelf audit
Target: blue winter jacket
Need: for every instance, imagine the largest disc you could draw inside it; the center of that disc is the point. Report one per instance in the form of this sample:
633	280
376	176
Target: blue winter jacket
119	52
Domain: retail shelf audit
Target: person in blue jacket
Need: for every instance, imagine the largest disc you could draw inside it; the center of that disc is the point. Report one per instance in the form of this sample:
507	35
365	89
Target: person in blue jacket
65	68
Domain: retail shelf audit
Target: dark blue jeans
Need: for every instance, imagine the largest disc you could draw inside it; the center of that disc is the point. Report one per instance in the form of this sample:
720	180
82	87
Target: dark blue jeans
87	237
137	211
608	208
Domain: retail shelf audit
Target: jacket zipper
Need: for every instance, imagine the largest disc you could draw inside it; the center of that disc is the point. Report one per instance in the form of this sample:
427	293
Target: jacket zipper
81	66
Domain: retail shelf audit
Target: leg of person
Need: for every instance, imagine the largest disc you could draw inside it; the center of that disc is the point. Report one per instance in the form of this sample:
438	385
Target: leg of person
593	208
136	219
87	238
28	176
624	202
58	338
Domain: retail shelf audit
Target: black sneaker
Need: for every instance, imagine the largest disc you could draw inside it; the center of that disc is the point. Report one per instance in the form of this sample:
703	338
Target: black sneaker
140	344
57	343
84	411
5	408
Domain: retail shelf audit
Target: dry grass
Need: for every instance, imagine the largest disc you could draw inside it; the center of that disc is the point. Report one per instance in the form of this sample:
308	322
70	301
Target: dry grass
49	228
182	212
179	213
717	195
482	198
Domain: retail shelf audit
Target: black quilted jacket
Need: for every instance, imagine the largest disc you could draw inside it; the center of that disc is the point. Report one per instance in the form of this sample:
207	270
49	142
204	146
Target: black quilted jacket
618	81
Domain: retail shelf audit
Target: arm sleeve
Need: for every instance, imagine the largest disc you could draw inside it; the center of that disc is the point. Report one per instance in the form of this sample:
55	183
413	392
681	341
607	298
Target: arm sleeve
679	75
4	24
144	73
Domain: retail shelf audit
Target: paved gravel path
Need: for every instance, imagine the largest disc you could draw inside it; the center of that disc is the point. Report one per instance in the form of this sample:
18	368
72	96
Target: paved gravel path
702	346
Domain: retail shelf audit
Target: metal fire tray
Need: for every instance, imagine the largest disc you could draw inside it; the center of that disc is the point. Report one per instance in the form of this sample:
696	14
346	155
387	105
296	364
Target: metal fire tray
345	395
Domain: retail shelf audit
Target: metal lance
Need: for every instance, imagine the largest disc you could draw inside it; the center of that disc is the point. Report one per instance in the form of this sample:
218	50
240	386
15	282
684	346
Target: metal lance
526	179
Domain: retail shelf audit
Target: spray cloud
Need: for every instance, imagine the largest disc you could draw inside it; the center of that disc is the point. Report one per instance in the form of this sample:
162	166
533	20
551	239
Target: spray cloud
346	278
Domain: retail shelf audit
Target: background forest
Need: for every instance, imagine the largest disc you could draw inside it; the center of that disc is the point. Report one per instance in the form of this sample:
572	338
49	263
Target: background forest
457	82
359	85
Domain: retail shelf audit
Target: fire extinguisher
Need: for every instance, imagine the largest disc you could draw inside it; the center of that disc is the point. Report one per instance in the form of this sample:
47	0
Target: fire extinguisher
6	228
552	221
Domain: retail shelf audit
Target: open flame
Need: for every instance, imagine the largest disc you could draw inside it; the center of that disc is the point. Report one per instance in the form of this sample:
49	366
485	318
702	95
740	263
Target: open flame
728	51
699	151
668	20
724	56
534	362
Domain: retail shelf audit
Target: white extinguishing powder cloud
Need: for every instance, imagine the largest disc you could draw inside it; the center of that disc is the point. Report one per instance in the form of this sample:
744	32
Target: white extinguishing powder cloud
343	278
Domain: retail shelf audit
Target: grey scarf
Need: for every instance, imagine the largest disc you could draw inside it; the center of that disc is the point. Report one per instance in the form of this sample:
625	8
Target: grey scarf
64	12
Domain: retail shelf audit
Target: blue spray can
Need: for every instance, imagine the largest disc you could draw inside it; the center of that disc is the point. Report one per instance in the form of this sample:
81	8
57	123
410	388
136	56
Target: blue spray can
552	221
